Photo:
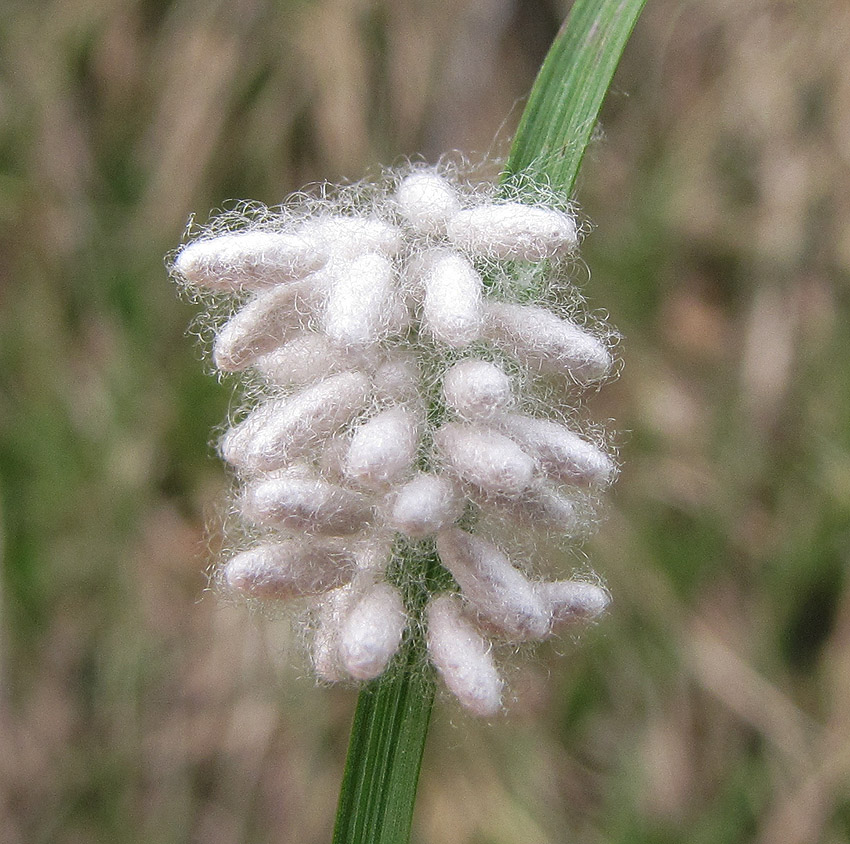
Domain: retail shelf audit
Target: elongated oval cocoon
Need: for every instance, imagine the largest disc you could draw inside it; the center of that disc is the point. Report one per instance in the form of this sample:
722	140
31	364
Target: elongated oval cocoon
424	506
330	612
361	306
261	325
543	506
308	357
500	593
306	504
545	342
513	231
427	201
383	449
281	430
288	570
248	260
344	238
462	658
475	389
572	600
560	453
452	307
397	380
371	631
485	459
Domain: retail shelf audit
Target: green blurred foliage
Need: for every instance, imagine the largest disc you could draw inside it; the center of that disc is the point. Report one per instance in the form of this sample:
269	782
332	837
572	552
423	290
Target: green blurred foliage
711	705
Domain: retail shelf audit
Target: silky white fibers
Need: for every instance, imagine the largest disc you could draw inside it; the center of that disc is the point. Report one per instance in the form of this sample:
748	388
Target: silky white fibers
475	389
288	570
462	657
371	631
398	339
494	464
513	231
248	259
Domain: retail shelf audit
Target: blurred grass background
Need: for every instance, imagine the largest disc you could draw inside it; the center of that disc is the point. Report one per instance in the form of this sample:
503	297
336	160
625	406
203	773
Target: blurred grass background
711	705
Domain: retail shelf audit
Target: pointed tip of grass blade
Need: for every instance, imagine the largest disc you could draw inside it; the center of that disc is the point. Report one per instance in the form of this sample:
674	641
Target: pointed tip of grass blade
564	104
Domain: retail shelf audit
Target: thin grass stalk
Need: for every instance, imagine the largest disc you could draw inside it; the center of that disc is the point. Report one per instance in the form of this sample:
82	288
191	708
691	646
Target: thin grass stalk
393	712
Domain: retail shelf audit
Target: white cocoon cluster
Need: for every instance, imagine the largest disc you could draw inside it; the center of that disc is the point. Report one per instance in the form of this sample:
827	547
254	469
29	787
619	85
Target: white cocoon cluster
377	423
475	389
485	459
371	631
424	506
361	306
498	591
427	201
513	231
248	259
281	430
561	453
546	342
288	570
382	450
452	309
306	504
462	657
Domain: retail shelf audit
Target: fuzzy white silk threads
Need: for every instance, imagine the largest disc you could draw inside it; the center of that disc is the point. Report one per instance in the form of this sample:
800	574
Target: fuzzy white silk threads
410	355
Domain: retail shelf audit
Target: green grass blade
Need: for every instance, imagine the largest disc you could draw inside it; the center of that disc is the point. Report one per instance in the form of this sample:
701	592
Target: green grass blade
391	721
385	754
558	120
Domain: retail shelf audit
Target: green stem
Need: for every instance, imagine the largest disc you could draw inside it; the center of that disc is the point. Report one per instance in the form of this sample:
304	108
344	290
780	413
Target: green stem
385	754
393	712
391	723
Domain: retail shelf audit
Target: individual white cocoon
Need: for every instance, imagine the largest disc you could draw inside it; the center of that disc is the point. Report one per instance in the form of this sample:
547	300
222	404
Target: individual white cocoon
572	600
361	305
485	459
475	389
330	612
462	657
383	448
427	201
560	453
290	569
513	231
546	507
452	305
348	237
280	430
397	380
498	592
371	631
307	357
261	325
546	342
373	553
424	506
307	504
248	259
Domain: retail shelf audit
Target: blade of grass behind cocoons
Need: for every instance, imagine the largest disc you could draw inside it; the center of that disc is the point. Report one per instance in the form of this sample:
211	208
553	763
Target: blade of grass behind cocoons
558	121
391	721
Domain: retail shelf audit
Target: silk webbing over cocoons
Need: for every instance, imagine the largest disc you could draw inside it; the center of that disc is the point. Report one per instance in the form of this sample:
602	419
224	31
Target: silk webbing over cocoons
413	354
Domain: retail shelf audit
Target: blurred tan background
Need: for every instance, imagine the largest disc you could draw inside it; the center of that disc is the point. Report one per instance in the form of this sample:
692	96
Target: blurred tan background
711	705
